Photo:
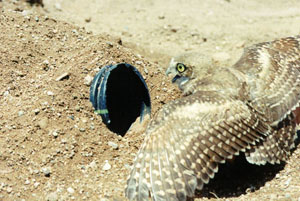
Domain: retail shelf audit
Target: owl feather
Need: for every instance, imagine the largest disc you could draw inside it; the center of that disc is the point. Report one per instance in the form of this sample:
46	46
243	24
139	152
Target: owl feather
224	111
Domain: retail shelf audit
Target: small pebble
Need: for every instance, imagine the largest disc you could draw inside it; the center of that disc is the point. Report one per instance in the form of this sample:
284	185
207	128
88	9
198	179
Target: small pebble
174	30
75	31
46	62
88	80
287	183
55	134
113	145
146	71
82	129
161	17
88	19
70	190
50	93
6	93
9	190
84	120
25	12
36	111
46	171
109	44
27	182
58	6
36	184
52	196
21	113
106	165
77	108
63	76
93	165
43	123
119	41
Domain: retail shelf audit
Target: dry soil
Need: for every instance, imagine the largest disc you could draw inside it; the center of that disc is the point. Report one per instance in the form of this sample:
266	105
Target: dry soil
52	145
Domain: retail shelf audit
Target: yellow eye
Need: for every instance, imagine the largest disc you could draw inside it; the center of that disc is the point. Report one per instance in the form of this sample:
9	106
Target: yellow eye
180	67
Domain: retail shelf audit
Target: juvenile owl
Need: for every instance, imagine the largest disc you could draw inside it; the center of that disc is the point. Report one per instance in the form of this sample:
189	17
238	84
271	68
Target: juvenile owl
251	107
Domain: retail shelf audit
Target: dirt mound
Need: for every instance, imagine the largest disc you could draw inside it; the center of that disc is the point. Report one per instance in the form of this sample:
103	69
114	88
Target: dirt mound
51	141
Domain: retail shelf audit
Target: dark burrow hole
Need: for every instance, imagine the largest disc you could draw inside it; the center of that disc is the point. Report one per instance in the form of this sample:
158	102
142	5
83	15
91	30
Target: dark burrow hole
126	95
238	177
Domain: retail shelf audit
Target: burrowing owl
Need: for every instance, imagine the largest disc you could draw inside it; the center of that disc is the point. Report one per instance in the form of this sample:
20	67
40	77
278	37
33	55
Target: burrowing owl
250	107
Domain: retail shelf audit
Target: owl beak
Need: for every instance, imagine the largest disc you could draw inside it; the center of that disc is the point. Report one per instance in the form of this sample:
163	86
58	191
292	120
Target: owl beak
175	78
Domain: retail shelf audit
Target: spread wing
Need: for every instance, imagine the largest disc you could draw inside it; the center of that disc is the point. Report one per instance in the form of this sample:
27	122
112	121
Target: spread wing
187	140
273	75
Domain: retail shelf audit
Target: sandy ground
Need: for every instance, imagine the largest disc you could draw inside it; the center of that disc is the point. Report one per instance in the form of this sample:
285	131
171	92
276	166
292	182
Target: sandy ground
52	145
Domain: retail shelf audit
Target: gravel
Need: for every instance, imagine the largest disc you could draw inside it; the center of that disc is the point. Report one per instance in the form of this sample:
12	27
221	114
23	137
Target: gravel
52	196
50	93
88	80
21	113
113	145
36	111
46	171
71	190
63	76
106	166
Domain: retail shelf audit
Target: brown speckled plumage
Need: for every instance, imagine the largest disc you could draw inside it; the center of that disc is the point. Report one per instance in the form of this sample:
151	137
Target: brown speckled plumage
246	108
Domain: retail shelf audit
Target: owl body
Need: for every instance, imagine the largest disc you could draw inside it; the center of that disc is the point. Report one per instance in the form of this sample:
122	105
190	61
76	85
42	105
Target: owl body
251	107
224	80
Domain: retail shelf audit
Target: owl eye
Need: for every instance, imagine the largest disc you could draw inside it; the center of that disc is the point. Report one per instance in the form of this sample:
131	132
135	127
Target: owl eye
180	67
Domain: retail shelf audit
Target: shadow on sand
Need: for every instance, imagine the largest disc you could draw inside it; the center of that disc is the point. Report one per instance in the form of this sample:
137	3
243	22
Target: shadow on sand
239	177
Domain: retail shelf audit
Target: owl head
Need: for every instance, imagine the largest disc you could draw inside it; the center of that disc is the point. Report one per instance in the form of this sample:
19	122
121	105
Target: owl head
189	66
